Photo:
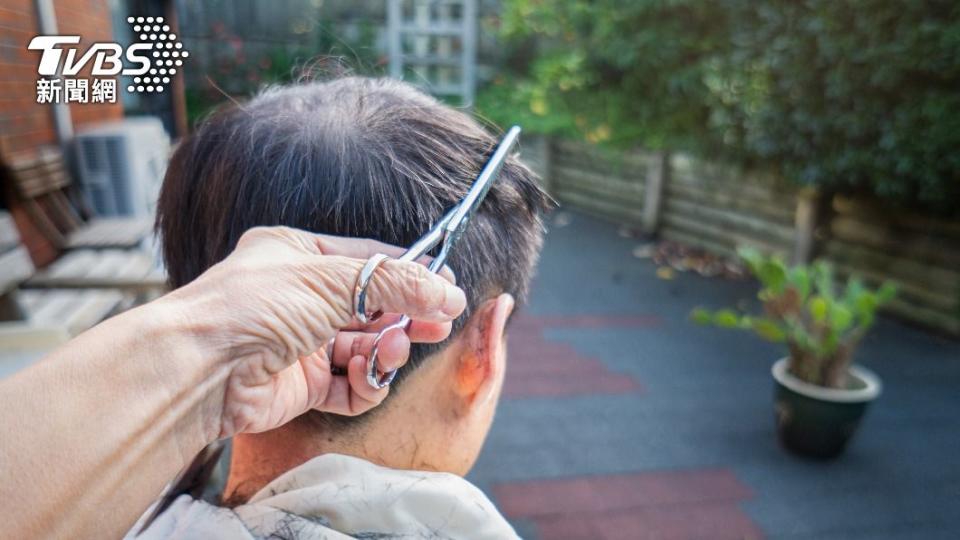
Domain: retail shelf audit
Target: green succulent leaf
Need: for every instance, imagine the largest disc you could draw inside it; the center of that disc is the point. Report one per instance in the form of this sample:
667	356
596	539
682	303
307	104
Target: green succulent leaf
769	330
773	274
753	259
840	318
886	292
819	306
701	316
854	289
799	277
865	304
823	278
726	318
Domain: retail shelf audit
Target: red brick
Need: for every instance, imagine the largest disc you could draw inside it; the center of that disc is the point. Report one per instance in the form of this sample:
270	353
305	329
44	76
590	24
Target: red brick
19	90
28	140
19	5
18	33
24	122
10	18
21	72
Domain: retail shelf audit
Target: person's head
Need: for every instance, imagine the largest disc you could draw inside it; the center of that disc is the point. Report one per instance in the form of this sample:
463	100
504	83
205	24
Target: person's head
369	158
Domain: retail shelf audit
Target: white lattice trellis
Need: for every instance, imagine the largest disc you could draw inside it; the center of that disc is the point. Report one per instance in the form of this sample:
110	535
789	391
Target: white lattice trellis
433	43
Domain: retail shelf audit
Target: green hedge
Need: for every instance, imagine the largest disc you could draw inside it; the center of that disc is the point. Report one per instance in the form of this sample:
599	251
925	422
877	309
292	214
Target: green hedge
858	95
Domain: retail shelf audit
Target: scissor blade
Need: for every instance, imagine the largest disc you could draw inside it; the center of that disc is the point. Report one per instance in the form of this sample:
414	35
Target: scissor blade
428	241
484	180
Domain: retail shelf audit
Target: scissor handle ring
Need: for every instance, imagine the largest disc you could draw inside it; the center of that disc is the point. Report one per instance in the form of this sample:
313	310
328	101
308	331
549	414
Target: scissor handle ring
374	378
360	289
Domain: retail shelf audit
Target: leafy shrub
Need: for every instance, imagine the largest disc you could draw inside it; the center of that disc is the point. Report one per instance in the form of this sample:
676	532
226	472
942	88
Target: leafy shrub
852	96
820	323
239	68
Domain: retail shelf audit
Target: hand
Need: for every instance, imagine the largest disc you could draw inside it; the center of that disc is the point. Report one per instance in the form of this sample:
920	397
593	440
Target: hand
272	306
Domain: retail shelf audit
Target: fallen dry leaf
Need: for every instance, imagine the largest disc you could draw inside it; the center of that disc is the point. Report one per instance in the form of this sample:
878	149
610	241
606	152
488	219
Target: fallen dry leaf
665	272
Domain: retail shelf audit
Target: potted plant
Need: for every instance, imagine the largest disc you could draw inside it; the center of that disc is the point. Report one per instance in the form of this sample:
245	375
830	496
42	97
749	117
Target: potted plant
820	396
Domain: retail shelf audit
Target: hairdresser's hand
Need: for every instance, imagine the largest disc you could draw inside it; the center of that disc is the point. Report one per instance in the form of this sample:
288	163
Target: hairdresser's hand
271	307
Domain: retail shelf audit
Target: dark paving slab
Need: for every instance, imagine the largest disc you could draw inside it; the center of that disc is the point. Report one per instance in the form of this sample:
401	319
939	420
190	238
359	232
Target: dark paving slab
702	402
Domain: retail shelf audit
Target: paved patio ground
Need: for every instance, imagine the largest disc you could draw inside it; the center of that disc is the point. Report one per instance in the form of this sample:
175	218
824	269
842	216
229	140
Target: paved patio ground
621	419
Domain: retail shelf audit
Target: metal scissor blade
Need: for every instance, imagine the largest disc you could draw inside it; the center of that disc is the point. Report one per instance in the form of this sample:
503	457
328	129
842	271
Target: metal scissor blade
447	229
482	184
428	241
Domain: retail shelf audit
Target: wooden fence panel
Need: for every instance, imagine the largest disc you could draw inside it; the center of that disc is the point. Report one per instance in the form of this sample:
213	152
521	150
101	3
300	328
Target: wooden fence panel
922	255
720	209
600	182
535	153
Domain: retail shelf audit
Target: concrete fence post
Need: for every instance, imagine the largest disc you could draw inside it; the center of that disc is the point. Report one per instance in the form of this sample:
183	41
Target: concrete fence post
658	174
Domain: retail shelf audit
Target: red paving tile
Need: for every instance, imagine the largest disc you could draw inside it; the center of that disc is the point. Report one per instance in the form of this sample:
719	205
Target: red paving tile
713	521
540	367
551	385
595	321
600	494
692	504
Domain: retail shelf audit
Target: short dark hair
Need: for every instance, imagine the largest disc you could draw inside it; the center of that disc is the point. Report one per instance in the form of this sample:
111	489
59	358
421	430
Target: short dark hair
359	157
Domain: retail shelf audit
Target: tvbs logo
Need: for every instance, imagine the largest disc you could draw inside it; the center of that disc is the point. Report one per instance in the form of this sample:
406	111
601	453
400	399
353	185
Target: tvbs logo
151	61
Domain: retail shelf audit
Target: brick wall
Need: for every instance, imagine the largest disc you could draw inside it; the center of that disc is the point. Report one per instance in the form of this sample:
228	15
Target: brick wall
24	124
91	20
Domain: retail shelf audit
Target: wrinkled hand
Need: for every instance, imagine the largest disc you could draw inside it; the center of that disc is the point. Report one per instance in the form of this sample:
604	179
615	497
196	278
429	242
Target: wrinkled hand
272	307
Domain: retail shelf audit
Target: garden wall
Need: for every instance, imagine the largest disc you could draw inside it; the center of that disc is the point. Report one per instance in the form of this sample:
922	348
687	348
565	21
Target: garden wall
719	208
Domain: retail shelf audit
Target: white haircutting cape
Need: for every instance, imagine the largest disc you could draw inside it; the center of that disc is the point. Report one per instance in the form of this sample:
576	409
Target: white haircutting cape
335	496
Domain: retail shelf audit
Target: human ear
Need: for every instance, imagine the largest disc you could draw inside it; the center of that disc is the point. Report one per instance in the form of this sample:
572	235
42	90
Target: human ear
482	360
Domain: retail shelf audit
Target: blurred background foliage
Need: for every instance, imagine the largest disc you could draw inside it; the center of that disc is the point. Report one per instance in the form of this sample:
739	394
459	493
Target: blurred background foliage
853	96
291	40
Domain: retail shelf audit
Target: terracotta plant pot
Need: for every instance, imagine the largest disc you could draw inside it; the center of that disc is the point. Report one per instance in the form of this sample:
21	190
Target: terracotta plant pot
816	421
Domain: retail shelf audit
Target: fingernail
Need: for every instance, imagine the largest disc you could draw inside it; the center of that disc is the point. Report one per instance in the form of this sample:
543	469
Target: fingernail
455	301
452	273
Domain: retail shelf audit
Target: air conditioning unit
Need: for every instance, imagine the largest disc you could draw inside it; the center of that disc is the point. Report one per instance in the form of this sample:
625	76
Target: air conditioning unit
121	165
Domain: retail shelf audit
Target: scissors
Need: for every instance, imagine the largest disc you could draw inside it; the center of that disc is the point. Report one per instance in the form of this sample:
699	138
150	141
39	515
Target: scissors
444	233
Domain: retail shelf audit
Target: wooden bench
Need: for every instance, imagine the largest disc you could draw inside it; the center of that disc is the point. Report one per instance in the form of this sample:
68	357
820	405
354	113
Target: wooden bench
42	183
43	319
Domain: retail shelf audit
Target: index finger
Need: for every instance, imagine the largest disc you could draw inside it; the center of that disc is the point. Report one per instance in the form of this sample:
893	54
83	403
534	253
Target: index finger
408	287
364	248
